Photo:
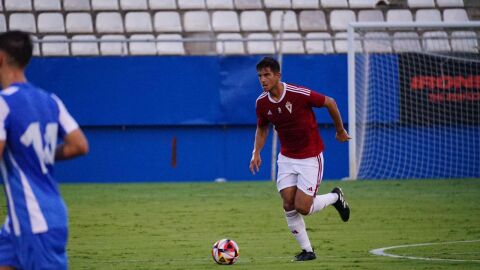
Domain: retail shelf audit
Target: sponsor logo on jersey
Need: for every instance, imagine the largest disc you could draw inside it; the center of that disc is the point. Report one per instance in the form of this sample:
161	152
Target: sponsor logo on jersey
279	110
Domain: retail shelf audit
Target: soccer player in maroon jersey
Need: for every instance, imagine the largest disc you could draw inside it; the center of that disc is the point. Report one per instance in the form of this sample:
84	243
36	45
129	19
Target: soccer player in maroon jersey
300	162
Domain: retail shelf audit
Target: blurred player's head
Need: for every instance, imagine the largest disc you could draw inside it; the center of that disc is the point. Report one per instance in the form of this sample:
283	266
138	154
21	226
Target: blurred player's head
268	70
15	49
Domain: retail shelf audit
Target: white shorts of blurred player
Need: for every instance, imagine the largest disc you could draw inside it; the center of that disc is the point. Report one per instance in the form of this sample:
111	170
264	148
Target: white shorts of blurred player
306	174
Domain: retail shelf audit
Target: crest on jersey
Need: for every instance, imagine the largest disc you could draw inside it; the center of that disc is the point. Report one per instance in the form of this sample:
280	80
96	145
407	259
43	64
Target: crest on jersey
269	112
289	106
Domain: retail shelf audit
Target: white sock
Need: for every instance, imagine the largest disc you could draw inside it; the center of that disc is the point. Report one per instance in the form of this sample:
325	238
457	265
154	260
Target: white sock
322	201
296	224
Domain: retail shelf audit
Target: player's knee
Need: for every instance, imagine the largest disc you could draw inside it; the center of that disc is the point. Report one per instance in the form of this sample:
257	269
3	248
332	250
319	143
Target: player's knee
302	209
287	206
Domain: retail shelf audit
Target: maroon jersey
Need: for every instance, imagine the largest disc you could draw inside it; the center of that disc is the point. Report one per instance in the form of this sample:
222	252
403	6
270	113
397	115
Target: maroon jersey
293	119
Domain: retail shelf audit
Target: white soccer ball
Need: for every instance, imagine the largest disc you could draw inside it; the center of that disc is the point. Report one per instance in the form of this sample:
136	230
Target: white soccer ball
225	251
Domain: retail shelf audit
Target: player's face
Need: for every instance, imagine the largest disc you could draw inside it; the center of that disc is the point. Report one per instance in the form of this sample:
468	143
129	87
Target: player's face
268	79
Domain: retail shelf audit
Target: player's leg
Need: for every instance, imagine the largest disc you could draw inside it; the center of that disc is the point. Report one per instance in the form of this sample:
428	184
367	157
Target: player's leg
287	187
307	202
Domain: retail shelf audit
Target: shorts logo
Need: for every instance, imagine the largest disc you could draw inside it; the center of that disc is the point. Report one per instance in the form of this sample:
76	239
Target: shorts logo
269	112
310	189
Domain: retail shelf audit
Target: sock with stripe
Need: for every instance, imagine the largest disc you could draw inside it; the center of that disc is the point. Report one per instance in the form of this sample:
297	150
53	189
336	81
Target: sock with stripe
322	201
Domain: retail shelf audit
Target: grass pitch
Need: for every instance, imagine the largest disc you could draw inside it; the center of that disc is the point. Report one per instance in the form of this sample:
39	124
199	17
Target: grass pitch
173	226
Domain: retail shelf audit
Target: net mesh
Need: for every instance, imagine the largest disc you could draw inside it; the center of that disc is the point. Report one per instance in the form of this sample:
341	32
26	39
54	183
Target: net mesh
417	104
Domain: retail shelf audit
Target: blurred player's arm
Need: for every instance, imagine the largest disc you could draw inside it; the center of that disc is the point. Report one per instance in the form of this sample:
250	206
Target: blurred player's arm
341	134
74	144
260	138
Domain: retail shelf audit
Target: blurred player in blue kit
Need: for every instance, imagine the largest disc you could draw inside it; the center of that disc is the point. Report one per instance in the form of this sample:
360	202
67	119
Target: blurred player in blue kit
35	232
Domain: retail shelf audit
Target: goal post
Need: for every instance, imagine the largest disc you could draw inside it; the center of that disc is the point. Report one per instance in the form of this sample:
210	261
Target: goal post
414	100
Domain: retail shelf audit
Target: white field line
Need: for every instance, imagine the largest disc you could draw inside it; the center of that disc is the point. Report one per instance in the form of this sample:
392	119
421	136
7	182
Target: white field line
381	251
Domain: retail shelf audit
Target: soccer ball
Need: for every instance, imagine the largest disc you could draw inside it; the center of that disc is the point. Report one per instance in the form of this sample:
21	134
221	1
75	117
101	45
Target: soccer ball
225	251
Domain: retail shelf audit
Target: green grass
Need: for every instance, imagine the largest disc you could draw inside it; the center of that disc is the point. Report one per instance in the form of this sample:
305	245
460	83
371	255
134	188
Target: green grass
173	226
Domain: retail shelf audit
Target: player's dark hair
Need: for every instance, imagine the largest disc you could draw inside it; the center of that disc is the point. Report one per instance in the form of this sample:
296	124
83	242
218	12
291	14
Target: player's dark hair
269	62
18	45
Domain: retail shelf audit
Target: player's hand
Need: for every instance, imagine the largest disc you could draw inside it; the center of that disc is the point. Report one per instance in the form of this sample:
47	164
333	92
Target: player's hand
255	163
342	136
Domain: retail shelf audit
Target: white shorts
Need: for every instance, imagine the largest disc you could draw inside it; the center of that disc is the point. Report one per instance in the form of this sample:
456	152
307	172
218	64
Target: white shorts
306	174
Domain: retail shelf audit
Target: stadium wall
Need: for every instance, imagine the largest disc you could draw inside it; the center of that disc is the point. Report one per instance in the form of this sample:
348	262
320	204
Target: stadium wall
176	118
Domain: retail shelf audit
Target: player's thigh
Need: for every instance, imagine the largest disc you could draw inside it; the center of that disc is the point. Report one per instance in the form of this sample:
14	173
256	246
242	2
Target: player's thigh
310	174
8	257
45	250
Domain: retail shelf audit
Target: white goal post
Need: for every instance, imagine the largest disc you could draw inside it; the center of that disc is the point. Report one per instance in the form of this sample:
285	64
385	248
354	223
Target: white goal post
414	100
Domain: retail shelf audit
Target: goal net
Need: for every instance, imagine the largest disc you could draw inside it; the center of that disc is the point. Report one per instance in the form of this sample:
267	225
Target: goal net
414	100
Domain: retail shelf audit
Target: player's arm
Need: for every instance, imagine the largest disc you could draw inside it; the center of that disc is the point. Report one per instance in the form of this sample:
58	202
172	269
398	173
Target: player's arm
261	135
341	134
74	144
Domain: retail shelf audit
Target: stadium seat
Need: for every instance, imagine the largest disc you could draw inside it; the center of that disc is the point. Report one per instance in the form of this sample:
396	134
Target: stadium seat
109	22
170	47
60	48
51	22
105	5
47	5
167	21
464	41
339	19
138	22
191	4
230	47
133	4
257	46
363	3
312	20
253	21
200	47
370	15
334	3
377	42
22	21
305	4
109	46
196	21
277	4
144	45
225	21
80	22
450	3
3	23
84	48
421	3
290	46
341	44
318	46
436	41
455	15
428	15
18	5
248	4
399	15
220	4
162	4
76	5
289	20
406	42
